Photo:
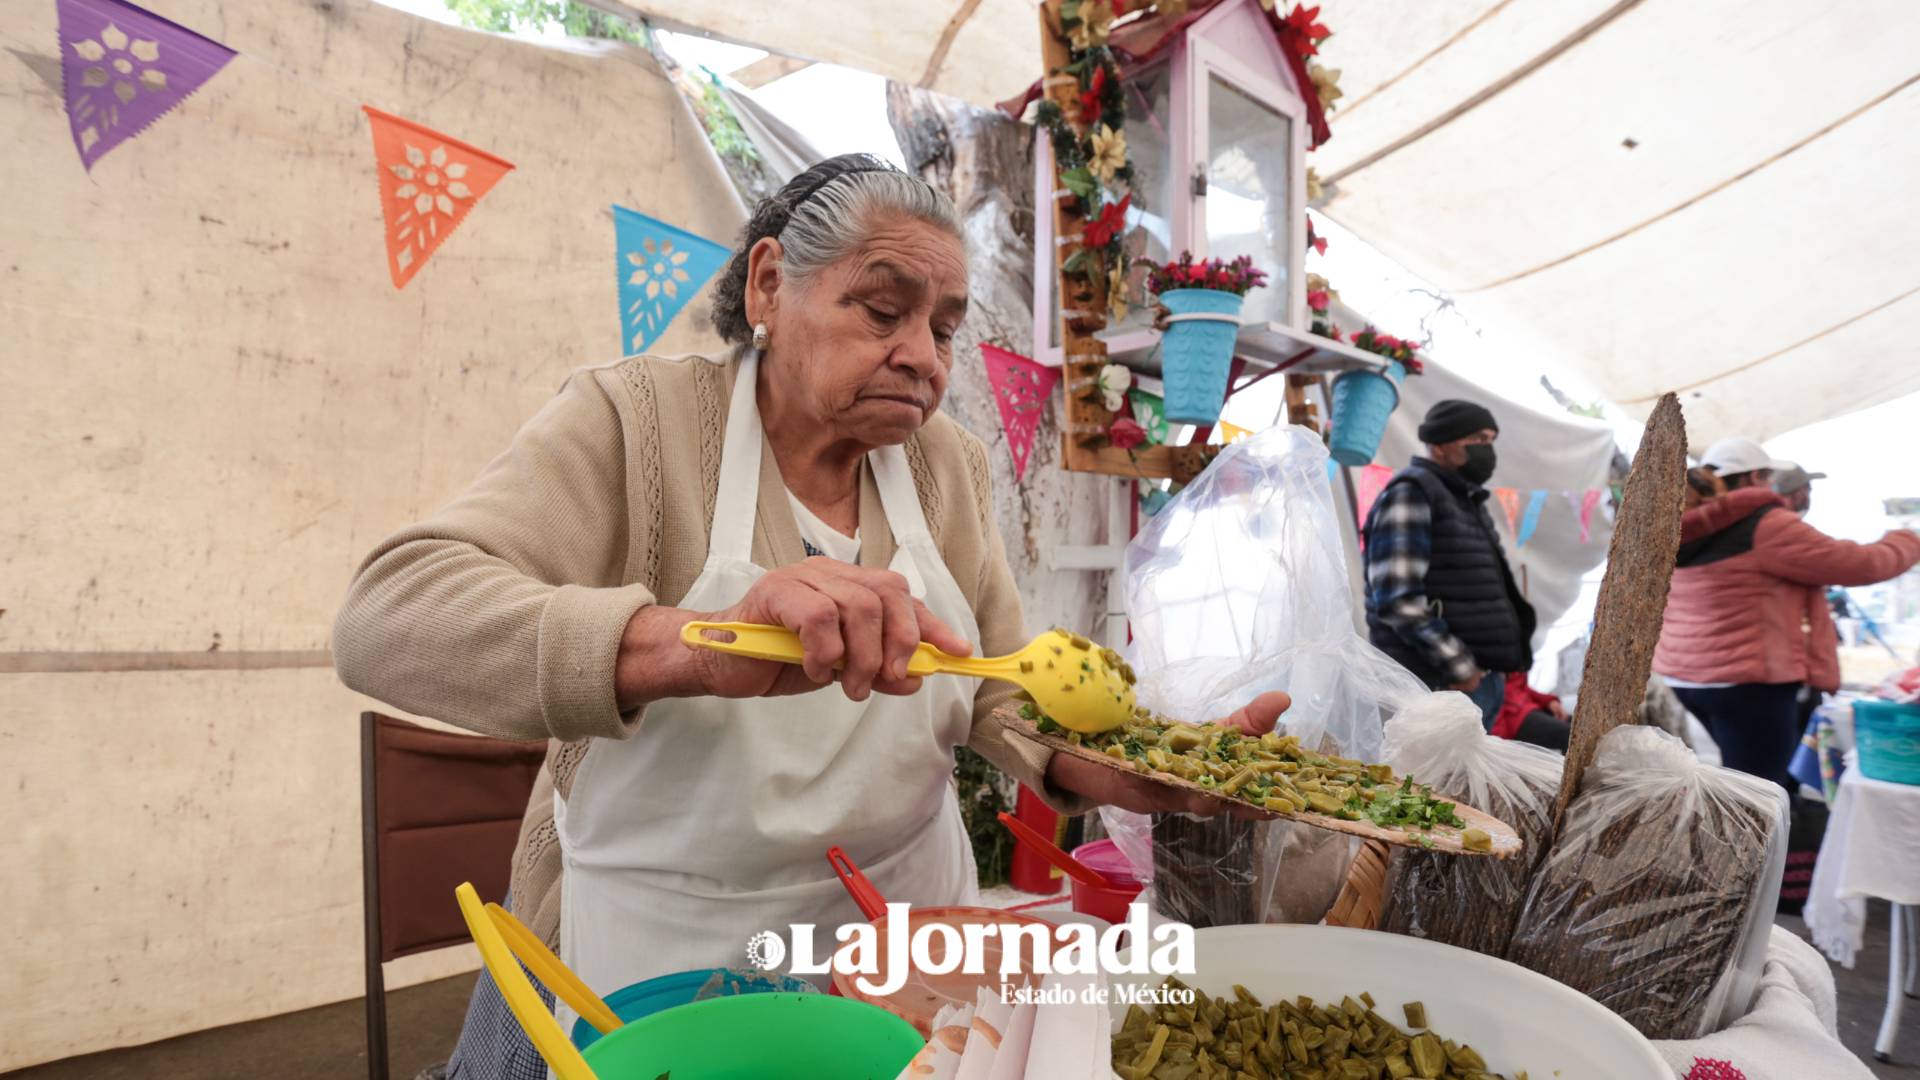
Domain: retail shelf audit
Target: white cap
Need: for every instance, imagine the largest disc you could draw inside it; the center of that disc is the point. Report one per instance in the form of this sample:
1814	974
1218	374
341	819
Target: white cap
1736	454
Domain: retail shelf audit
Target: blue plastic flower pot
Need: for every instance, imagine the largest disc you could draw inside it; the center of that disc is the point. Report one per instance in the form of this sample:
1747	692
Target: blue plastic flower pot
1888	737
1362	401
1197	354
655	995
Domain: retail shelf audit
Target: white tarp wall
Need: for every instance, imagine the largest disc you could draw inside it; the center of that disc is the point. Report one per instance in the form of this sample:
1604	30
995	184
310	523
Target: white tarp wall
212	403
1707	198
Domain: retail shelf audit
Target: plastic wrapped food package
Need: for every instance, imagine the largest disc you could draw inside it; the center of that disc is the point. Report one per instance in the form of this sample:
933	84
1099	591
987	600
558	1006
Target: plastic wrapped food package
1240	586
1471	903
1656	896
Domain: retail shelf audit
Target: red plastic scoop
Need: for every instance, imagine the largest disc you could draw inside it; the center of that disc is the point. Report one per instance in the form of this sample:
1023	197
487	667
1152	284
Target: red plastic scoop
871	903
924	993
1073	868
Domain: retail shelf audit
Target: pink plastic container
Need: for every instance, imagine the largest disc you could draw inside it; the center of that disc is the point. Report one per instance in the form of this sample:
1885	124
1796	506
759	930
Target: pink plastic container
1109	904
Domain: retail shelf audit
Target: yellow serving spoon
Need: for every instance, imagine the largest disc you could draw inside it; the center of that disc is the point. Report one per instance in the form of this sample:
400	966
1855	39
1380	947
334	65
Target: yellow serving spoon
1080	685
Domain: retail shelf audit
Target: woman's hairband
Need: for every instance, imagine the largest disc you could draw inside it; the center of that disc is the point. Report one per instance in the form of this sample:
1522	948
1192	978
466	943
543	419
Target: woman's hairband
879	166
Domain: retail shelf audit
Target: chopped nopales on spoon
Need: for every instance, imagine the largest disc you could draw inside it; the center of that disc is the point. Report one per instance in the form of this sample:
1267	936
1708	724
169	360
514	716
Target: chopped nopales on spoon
1082	686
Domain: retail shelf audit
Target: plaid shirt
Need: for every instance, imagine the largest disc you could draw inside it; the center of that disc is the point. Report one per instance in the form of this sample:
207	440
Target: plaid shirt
1399	541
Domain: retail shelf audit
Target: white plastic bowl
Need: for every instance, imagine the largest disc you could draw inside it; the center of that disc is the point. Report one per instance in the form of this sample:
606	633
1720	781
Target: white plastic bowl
1517	1019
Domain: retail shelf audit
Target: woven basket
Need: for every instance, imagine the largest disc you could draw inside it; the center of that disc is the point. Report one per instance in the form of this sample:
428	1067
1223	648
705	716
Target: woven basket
1363	897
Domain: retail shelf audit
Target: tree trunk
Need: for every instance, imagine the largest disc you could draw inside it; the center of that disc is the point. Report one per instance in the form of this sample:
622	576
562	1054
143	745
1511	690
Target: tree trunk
984	162
1633	595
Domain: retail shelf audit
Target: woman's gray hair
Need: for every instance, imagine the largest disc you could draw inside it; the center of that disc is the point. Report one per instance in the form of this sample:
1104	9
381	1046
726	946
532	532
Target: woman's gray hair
820	217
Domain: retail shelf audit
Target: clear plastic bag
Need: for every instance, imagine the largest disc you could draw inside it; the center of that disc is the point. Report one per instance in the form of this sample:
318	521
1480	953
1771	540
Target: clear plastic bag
1657	895
1471	903
1240	586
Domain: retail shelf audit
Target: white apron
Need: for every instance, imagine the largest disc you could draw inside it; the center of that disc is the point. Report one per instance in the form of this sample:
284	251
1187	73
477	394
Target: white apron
713	821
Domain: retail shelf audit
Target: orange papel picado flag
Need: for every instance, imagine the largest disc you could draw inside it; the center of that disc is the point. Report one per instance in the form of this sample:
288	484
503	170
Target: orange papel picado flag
428	184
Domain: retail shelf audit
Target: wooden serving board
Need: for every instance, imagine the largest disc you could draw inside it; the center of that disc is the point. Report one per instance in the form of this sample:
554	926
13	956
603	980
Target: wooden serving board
1506	842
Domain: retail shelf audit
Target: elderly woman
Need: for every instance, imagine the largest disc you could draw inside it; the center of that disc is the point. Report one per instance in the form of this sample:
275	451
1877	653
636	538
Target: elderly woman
806	479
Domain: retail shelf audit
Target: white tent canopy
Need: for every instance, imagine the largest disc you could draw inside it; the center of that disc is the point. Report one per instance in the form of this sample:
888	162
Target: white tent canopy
1713	199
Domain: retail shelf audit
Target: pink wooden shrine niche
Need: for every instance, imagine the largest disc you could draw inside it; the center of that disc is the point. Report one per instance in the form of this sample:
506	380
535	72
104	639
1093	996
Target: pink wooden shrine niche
1218	102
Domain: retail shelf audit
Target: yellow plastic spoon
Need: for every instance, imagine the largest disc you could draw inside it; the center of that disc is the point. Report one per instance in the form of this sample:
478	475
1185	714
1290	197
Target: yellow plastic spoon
1080	685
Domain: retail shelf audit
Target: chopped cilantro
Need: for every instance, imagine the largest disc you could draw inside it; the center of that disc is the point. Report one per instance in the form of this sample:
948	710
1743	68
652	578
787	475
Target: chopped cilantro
1403	806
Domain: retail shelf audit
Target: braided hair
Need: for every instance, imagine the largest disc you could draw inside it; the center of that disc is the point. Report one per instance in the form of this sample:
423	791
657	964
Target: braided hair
819	217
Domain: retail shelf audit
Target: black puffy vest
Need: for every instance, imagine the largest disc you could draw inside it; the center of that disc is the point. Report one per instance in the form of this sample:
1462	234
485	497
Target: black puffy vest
1468	581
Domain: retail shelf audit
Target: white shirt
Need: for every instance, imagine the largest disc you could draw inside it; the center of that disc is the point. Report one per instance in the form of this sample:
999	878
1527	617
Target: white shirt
823	538
1683	684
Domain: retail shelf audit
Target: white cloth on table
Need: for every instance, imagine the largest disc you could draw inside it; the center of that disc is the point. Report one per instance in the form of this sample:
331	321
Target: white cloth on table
1872	848
1789	1034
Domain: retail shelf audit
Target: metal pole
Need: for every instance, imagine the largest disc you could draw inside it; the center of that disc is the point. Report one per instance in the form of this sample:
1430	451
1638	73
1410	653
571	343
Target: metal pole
1896	984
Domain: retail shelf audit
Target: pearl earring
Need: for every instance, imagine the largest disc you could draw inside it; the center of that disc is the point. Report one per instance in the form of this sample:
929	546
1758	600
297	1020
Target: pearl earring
760	336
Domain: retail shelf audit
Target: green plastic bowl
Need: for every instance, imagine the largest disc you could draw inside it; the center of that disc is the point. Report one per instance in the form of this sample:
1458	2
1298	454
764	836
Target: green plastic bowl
755	1036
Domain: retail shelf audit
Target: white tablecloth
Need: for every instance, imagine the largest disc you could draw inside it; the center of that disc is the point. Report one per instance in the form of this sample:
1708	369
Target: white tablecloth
1787	1035
1872	848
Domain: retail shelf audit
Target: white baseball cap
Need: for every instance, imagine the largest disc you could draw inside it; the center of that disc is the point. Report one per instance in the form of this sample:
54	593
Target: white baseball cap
1736	454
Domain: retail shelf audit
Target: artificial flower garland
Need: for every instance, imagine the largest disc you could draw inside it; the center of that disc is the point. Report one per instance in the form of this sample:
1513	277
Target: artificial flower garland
1093	162
1320	298
1094	165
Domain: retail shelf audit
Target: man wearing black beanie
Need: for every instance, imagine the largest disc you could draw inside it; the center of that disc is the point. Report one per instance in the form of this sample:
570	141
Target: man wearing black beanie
1440	597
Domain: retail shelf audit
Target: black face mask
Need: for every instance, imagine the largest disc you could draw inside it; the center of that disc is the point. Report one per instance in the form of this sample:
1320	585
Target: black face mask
1479	466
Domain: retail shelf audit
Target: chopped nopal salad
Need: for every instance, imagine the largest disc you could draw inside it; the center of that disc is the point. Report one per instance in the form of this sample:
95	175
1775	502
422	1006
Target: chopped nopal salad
1272	771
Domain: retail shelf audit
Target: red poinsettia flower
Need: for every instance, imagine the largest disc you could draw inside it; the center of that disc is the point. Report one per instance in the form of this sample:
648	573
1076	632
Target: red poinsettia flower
1317	243
1090	97
1126	433
1100	232
1301	22
1318	300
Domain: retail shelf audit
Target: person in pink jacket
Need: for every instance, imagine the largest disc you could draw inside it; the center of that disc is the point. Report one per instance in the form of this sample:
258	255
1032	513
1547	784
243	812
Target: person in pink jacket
1747	623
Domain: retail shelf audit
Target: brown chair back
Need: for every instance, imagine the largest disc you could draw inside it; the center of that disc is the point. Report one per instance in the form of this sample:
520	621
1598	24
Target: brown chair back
437	809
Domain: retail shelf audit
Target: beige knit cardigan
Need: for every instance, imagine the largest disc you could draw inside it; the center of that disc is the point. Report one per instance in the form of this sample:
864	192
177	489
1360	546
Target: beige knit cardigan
503	612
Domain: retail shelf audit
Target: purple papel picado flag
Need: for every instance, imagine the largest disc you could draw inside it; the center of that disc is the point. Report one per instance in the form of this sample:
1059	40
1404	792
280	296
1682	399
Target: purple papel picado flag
124	67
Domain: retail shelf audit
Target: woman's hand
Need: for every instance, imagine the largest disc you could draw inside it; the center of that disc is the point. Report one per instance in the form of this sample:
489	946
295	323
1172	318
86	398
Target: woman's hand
1132	791
862	621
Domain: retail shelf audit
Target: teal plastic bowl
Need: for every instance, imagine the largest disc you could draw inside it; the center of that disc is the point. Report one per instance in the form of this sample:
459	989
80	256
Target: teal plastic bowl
642	999
1887	735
